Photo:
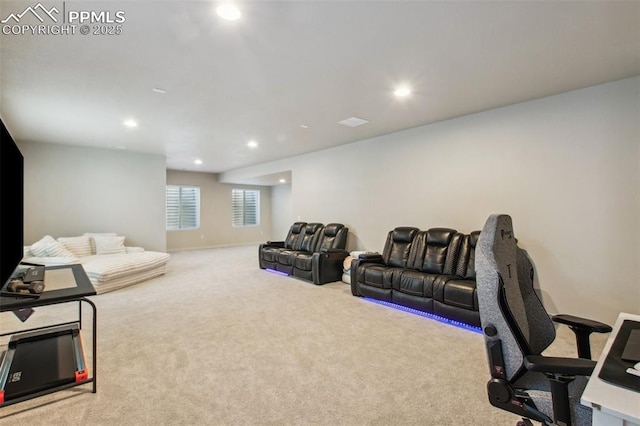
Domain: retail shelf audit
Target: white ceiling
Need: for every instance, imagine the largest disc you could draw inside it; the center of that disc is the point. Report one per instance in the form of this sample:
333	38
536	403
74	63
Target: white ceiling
287	63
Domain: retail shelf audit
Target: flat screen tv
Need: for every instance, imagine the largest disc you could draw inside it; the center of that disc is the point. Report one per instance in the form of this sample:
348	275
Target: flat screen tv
11	205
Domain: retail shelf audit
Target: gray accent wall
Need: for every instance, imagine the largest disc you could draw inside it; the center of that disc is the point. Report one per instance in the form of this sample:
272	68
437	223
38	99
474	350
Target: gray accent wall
564	167
70	190
216	228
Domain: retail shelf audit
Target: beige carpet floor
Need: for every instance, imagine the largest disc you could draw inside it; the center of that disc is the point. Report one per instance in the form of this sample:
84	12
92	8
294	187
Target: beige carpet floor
217	341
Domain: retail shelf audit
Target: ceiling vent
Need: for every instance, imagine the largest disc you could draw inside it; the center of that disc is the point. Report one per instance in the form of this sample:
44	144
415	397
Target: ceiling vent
353	122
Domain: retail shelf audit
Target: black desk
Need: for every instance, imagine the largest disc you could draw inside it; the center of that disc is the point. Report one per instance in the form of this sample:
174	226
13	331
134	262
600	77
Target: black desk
58	291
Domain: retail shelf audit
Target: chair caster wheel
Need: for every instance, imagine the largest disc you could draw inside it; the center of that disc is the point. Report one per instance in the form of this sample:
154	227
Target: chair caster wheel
524	422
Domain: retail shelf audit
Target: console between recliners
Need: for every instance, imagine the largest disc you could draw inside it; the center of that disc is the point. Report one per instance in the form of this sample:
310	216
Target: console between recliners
311	251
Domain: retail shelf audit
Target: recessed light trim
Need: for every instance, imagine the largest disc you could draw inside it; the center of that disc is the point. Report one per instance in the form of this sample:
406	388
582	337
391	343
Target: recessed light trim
252	144
283	181
304	126
159	90
228	11
197	161
131	123
119	147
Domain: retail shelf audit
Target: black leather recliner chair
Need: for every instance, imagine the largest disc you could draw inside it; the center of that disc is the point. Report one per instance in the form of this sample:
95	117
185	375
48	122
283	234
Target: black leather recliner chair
517	329
306	243
312	251
372	274
455	296
324	265
269	251
432	257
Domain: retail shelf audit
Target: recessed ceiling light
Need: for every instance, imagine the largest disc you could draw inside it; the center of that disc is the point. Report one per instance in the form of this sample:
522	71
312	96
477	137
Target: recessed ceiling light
283	181
403	91
197	161
159	90
252	144
304	126
228	11
130	123
117	147
353	122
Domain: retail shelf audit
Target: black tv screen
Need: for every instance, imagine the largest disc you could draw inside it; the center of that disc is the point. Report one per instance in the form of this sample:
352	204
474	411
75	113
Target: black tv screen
11	205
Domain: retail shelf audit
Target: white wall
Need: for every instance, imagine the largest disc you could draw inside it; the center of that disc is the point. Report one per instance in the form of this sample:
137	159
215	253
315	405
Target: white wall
70	190
216	214
565	167
281	211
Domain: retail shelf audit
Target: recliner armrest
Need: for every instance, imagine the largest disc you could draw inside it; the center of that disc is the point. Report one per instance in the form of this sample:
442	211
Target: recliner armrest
326	266
582	323
559	365
275	243
370	257
334	250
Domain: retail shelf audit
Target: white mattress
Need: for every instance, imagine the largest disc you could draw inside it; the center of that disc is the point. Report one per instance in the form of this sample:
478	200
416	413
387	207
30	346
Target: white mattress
127	280
109	272
106	267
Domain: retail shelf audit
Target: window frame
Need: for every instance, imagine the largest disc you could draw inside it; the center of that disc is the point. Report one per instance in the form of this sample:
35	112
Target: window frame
235	214
181	226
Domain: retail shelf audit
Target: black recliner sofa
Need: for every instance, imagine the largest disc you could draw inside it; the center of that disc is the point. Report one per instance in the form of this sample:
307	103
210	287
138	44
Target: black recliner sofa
311	251
432	271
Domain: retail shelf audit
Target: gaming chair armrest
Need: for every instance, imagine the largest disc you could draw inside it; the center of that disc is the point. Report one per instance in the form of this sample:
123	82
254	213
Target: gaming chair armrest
582	328
582	323
558	365
560	372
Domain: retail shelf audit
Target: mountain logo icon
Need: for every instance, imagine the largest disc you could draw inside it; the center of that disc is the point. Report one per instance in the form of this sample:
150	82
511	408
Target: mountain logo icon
39	11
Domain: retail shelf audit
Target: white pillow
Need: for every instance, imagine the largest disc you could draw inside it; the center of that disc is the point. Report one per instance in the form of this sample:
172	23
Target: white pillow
39	248
109	245
98	234
79	246
57	249
134	249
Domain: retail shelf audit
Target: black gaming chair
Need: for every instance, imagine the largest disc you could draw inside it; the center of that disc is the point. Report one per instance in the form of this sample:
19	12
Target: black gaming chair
517	329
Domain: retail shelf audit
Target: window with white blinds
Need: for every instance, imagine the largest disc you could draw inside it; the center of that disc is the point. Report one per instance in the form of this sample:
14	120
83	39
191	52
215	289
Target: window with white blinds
183	207
246	207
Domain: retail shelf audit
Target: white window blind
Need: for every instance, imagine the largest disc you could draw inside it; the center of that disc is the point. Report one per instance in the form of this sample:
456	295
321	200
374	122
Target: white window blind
246	207
183	207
